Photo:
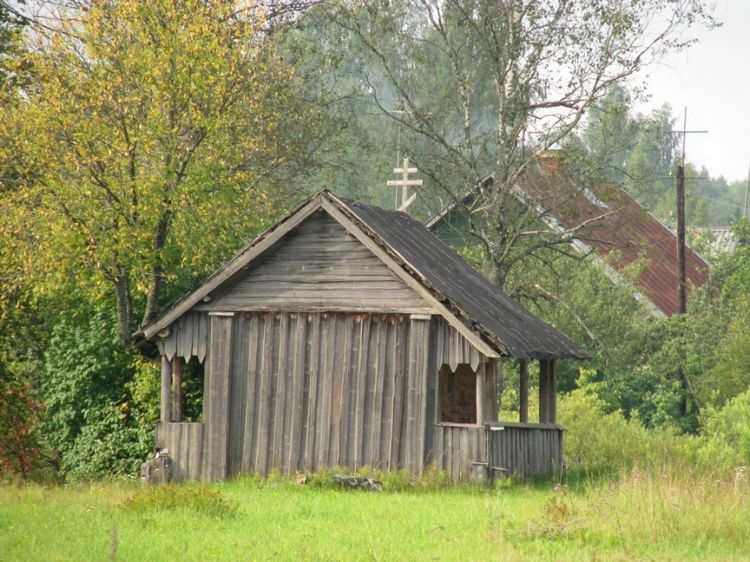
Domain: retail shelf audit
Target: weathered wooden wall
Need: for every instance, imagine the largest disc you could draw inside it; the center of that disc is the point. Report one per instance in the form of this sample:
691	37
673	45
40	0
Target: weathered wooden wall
319	266
312	390
456	447
185	444
525	449
188	337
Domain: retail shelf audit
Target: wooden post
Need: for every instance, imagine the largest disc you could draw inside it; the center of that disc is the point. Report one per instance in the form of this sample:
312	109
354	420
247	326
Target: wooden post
523	414
166	376
543	391
490	390
177	364
479	395
552	409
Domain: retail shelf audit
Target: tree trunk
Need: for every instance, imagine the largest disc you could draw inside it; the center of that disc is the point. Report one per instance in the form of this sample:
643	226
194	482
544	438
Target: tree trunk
124	307
154	290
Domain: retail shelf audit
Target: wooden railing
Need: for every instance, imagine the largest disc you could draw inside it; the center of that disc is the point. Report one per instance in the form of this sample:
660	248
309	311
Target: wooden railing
524	449
185	444
497	449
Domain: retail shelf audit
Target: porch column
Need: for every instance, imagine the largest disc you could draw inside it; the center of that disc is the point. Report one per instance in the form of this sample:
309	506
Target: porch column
166	376
523	414
177	364
479	393
543	391
552	396
490	390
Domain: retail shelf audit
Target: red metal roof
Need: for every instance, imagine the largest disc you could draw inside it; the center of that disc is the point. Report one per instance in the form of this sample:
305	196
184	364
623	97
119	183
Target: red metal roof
621	231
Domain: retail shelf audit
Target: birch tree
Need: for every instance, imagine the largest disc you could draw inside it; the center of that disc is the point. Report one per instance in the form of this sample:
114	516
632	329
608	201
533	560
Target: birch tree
487	86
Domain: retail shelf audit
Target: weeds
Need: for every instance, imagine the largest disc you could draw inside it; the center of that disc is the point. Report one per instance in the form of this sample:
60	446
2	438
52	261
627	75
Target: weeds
199	500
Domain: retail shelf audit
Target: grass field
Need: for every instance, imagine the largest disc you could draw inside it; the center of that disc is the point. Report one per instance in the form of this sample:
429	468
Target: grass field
635	517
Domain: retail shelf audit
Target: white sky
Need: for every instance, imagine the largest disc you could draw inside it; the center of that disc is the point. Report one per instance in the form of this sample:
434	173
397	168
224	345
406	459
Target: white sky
711	78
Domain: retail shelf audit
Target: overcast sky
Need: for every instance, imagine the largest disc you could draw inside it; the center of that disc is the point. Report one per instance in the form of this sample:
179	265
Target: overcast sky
712	78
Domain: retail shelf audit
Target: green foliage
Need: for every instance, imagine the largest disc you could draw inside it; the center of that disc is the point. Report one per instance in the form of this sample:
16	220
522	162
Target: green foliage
197	500
91	419
726	433
19	416
597	440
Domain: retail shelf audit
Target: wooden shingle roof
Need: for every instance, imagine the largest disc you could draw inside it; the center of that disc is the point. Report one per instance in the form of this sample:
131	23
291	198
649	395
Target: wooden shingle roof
493	322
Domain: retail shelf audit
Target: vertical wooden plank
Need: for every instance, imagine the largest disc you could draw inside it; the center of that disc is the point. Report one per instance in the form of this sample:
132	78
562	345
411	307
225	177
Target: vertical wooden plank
263	403
361	380
219	368
396	459
166	378
336	353
252	341
347	329
386	409
312	396
279	395
378	370
523	414
237	401
296	419
177	363
202	336
431	391
327	342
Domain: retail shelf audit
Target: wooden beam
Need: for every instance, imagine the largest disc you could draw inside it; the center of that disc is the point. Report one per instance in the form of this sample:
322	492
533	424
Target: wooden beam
491	368
166	378
479	396
523	414
177	364
552	395
543	391
399	270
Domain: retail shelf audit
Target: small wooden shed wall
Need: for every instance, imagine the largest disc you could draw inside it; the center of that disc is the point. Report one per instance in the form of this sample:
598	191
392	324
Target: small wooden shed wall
321	351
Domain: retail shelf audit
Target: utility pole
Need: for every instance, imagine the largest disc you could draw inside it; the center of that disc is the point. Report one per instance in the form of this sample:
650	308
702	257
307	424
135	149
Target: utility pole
682	276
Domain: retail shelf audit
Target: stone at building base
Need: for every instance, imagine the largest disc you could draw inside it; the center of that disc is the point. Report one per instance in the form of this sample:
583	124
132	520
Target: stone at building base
357	482
158	470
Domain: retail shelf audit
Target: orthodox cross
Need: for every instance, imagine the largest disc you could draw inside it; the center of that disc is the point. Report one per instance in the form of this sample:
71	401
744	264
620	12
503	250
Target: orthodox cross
404	184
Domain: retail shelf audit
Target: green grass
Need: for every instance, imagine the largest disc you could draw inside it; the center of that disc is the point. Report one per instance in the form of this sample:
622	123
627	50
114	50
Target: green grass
635	517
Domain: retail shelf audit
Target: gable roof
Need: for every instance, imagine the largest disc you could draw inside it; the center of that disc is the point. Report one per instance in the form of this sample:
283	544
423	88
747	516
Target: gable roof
481	312
618	229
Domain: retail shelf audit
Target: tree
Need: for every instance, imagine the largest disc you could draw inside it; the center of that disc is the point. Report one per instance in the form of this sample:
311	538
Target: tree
146	140
489	86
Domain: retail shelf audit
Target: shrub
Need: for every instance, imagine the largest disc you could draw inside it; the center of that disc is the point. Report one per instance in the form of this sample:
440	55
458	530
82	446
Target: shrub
91	418
599	441
725	437
194	499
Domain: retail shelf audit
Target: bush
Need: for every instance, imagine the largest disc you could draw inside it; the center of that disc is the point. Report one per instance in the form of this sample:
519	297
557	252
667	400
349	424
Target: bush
597	441
725	437
92	417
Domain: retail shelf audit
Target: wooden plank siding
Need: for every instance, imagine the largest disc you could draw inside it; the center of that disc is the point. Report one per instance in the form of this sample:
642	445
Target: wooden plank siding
316	390
456	447
184	441
525	450
318	267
